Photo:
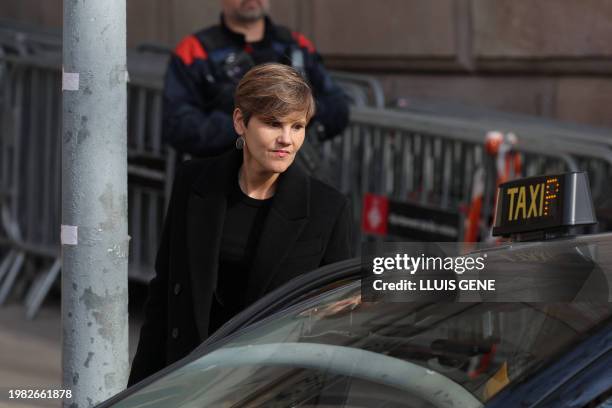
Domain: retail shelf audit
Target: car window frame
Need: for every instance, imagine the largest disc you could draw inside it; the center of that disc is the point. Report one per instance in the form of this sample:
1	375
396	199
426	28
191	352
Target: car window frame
274	304
284	297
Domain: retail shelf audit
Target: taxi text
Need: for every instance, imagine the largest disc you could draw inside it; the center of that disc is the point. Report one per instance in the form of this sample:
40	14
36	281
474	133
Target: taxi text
526	202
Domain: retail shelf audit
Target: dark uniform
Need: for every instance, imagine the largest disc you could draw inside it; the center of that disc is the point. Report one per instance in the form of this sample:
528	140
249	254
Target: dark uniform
203	74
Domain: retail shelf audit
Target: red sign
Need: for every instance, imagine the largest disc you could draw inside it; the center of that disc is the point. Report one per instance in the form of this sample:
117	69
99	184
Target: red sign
374	214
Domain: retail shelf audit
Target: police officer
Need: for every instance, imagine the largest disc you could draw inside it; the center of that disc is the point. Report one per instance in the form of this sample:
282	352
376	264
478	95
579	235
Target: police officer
206	67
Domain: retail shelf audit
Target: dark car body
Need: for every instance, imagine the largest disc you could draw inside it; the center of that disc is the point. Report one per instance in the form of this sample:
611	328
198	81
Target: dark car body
312	343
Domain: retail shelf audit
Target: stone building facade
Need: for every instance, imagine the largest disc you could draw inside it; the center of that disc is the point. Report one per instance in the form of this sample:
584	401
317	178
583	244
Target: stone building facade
546	57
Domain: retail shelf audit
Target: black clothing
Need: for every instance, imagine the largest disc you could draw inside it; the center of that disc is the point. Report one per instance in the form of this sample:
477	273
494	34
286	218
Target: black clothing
307	226
244	220
203	73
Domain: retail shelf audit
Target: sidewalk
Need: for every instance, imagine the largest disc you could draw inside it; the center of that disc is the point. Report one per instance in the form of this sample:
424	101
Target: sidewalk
31	351
30	356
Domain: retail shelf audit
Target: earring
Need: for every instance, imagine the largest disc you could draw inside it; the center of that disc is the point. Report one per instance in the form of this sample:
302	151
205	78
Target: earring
240	143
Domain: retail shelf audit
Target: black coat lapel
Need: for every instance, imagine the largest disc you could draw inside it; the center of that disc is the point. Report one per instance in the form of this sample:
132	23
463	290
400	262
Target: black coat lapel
204	232
205	217
283	225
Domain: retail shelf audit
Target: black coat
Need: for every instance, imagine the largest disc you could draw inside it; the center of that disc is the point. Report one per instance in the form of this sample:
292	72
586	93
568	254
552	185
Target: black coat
308	226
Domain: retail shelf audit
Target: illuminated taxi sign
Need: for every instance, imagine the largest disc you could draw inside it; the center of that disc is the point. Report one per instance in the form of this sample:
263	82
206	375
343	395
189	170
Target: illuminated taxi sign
532	200
543	203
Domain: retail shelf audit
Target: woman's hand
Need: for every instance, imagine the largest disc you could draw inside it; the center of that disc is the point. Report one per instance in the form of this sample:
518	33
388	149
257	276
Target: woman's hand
334	309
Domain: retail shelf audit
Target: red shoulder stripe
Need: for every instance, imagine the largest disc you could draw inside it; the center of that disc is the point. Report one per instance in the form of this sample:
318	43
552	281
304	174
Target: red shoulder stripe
303	42
190	49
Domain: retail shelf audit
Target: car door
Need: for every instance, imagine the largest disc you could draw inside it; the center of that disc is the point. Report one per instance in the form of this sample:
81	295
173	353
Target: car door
588	388
293	292
578	378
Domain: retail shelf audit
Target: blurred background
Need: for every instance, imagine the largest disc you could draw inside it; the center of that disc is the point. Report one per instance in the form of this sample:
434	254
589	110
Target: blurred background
449	98
549	58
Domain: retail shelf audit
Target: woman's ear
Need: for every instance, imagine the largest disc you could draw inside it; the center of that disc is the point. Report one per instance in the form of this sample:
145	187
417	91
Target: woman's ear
239	122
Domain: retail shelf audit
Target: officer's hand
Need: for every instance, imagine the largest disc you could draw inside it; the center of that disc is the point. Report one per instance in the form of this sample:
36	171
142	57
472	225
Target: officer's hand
224	99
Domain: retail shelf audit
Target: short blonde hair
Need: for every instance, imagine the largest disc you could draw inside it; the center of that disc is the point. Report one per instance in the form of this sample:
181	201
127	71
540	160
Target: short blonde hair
272	91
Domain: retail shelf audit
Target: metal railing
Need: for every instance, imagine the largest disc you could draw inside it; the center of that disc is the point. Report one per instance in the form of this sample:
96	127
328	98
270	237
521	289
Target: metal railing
430	160
363	90
30	151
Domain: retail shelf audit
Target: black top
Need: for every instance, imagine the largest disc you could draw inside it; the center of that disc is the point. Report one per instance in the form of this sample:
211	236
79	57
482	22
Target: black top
241	231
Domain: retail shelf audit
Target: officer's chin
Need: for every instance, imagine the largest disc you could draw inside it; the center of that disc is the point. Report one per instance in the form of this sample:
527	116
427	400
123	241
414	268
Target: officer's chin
251	16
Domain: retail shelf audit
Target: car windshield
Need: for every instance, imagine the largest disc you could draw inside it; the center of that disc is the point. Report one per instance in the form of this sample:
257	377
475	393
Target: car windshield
334	351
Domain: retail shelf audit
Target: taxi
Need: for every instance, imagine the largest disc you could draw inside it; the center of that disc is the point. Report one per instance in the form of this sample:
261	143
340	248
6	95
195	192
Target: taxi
314	343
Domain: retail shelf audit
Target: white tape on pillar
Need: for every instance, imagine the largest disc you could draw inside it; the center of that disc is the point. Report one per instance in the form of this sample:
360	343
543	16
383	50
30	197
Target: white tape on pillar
69	235
70	81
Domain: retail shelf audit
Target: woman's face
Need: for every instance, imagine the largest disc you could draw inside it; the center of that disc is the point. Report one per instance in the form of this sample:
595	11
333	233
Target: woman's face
271	147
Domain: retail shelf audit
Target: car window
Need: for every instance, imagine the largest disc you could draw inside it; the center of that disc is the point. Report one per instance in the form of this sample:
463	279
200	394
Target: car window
298	290
303	357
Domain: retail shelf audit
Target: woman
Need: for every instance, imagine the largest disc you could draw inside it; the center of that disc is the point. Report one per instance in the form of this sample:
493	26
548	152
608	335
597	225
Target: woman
241	224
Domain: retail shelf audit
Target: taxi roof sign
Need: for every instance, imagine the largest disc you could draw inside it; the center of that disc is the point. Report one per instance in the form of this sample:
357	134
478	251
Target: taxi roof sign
543	203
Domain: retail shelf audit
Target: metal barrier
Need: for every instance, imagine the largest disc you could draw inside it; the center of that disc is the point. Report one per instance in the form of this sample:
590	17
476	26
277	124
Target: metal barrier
363	90
430	160
31	168
149	177
12	260
417	157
